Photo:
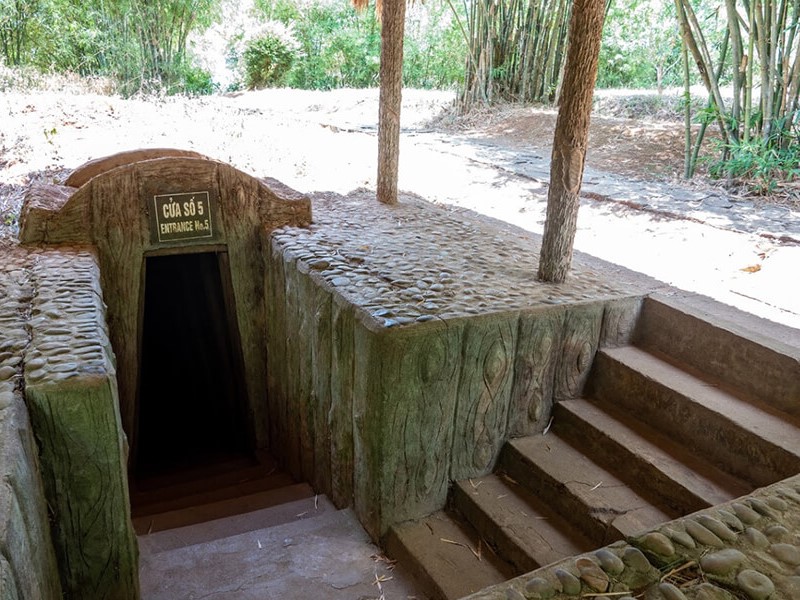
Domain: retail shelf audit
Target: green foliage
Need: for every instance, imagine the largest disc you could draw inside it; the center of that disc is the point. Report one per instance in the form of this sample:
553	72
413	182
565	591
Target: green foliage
140	43
757	115
83	42
516	50
760	164
18	22
10	218
283	11
435	48
161	30
267	60
620	68
196	81
640	46
338	46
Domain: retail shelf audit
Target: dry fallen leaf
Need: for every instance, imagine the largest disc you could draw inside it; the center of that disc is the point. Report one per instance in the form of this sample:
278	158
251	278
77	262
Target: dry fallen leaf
751	269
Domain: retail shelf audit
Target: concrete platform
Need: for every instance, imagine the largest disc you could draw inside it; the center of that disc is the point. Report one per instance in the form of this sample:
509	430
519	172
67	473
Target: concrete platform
328	556
417	261
407	343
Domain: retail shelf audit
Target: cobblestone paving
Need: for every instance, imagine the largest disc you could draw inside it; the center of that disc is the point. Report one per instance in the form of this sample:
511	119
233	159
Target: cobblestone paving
27	560
746	549
15	292
417	261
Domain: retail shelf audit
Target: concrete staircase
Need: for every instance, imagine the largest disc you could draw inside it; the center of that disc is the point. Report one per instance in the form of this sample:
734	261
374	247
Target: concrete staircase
696	412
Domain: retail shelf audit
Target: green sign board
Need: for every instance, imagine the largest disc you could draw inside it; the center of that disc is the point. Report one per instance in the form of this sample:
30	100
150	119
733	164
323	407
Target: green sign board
183	216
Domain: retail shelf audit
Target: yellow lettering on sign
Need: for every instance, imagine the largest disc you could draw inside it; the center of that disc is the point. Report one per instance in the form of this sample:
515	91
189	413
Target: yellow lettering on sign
171	209
182	216
178	227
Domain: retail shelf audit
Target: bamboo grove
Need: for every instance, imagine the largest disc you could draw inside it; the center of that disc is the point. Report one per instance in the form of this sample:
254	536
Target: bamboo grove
744	52
140	43
759	60
516	50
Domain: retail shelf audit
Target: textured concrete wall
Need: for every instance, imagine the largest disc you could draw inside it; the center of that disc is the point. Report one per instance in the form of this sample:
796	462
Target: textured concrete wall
400	360
27	558
71	389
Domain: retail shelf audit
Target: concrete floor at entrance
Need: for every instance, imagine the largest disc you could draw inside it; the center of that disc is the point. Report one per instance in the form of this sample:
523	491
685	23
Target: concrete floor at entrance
296	551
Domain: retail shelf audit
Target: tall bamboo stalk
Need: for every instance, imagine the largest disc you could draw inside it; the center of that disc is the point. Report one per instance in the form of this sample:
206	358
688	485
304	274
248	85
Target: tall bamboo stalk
687	102
748	103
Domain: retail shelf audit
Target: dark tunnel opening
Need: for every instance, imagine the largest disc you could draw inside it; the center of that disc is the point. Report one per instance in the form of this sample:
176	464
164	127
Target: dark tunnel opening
191	385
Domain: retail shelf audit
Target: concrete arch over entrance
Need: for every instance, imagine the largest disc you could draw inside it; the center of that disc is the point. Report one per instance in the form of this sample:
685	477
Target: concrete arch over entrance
135	206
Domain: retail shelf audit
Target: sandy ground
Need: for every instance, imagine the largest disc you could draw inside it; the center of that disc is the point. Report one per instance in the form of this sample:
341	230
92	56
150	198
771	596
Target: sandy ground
326	141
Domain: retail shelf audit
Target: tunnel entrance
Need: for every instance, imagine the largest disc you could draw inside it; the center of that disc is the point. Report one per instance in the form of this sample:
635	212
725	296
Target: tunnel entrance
180	243
191	383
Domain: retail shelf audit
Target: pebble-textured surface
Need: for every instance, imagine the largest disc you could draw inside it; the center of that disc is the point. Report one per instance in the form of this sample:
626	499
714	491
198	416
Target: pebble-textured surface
748	548
27	558
399	266
417	261
67	319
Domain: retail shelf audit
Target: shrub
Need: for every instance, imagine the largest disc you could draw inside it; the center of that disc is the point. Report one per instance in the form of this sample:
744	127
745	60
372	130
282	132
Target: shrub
267	60
338	46
196	81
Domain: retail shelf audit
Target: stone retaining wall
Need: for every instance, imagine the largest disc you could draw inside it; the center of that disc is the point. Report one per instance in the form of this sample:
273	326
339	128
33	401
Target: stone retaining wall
71	390
406	344
27	558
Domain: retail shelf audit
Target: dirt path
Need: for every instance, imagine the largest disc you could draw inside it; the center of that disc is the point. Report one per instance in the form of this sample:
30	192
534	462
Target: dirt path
637	215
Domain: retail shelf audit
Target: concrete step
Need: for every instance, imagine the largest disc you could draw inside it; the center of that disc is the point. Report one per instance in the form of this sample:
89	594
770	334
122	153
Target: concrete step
745	438
731	348
446	556
209	511
206	483
597	502
188	479
329	556
214	489
644	457
524	531
217	529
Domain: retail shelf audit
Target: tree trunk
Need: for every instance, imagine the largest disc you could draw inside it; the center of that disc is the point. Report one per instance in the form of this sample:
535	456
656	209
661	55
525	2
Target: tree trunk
393	16
570	140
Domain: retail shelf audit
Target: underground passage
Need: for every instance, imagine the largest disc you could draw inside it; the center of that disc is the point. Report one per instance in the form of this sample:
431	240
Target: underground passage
191	398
